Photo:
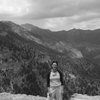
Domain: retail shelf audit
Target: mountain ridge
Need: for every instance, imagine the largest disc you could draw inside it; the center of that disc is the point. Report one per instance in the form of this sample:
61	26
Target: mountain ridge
85	41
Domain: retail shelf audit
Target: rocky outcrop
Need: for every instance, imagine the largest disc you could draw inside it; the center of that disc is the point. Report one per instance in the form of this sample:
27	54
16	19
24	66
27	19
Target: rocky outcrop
84	97
8	96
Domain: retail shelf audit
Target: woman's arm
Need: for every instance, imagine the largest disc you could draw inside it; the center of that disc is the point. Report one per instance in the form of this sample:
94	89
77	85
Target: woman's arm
61	78
48	80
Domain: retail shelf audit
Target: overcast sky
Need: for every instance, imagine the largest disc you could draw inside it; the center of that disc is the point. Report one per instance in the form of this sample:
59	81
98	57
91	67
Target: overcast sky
53	14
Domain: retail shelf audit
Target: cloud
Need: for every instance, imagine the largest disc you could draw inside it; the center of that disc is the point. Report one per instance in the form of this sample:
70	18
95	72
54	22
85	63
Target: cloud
52	14
62	8
58	24
39	9
13	8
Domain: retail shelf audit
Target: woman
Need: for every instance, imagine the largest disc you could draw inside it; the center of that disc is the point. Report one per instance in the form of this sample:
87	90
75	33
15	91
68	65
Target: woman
55	82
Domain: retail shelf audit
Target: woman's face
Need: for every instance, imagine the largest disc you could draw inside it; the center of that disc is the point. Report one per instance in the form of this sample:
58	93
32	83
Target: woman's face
54	67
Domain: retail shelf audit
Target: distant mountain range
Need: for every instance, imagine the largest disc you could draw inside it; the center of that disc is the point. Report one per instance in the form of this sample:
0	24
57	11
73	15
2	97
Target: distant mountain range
76	42
74	35
8	28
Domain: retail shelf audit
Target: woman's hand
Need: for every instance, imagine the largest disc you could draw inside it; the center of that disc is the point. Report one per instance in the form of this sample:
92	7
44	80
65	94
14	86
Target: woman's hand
49	92
62	89
48	89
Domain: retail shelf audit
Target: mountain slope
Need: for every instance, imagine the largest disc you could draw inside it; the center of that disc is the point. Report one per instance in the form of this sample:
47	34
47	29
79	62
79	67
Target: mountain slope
76	41
51	39
74	35
23	59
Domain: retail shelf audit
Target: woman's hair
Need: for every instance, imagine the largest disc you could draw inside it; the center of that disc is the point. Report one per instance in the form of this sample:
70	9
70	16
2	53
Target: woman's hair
54	62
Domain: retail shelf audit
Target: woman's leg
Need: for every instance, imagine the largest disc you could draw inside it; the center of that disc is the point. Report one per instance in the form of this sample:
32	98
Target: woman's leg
52	93
59	95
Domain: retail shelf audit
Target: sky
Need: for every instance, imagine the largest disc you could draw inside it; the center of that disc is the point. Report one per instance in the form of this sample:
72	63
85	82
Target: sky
53	14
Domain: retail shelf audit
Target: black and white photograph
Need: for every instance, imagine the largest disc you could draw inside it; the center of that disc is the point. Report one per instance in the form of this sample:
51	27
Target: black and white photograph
49	49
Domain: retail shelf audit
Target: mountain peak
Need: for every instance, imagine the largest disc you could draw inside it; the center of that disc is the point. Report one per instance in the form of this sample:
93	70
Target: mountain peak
6	26
32	27
9	23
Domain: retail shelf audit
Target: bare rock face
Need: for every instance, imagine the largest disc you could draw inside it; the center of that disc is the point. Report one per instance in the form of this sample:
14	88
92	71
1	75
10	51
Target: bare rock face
8	96
84	97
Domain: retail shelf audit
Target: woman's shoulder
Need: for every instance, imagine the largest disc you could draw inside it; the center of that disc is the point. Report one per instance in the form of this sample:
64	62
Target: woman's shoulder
60	72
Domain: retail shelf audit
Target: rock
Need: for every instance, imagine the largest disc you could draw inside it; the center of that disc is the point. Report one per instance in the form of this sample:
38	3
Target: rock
84	97
8	96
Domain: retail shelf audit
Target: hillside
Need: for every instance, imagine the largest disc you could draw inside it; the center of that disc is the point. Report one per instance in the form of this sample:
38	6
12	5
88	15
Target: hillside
80	43
21	61
24	64
73	35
